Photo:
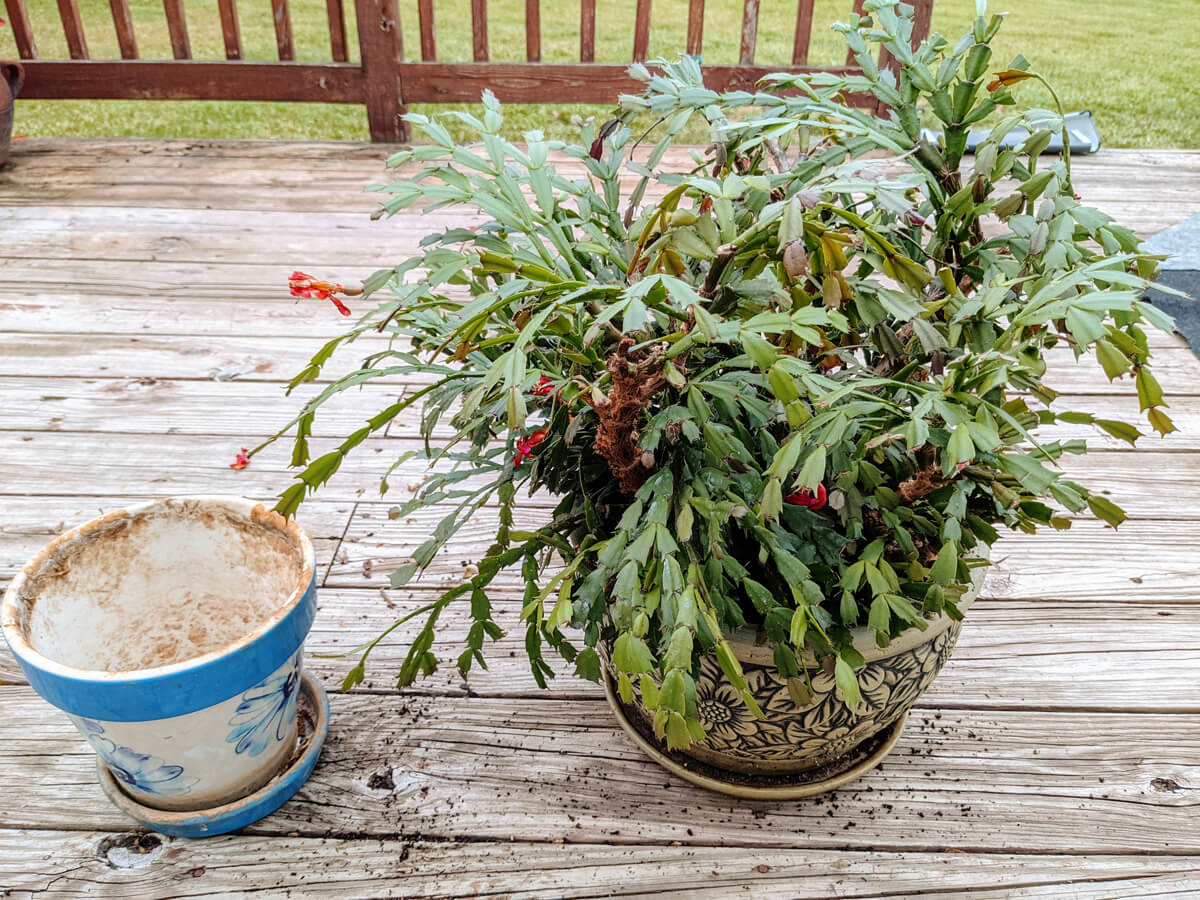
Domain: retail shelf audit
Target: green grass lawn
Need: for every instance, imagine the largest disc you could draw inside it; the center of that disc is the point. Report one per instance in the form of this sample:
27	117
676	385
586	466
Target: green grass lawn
1129	66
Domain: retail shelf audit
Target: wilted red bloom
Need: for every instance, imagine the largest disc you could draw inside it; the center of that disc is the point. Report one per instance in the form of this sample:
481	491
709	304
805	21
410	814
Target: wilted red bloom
241	461
304	285
543	388
597	149
1007	78
914	218
525	445
805	498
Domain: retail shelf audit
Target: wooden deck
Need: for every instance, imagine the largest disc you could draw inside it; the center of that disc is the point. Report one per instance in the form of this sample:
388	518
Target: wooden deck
146	333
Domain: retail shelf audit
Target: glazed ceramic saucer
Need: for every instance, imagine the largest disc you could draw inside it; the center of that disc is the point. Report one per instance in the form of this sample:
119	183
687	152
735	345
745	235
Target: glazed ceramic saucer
312	712
771	787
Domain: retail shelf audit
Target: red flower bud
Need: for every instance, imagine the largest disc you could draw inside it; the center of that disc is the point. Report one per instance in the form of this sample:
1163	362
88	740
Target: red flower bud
805	498
241	461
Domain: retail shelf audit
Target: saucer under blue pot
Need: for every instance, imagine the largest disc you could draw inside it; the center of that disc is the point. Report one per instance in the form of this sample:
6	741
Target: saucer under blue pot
313	715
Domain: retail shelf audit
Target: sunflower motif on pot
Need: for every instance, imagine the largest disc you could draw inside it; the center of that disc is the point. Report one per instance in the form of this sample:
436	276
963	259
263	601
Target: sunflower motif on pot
723	713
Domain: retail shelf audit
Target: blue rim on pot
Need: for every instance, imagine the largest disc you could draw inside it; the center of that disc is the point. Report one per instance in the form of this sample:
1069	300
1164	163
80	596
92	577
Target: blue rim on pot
198	732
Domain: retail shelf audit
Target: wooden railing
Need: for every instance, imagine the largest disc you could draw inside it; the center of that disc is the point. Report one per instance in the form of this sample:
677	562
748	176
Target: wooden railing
384	81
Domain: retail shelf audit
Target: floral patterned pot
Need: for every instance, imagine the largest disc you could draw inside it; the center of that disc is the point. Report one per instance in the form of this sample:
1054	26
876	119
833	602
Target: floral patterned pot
792	738
171	634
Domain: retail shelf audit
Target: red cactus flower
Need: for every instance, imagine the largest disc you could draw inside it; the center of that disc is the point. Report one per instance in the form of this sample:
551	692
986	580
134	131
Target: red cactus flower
304	285
241	461
543	388
806	498
525	446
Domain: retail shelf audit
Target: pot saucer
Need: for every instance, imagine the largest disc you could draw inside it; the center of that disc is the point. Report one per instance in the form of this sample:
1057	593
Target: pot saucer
312	711
751	787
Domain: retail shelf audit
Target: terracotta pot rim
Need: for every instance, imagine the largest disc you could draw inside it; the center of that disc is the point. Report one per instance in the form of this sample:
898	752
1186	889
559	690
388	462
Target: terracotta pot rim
747	648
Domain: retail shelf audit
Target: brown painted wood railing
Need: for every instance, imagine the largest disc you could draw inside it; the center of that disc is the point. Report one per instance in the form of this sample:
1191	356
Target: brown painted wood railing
384	81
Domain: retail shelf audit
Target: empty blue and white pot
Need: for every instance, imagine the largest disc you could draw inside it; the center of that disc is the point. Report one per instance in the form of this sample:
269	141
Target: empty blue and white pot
172	635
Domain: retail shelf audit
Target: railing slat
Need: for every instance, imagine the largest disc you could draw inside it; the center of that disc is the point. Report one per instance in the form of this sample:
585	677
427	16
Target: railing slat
587	31
641	31
18	20
177	26
428	41
533	31
479	29
922	20
283	30
167	79
68	11
123	23
382	49
695	33
566	82
804	24
433	82
336	14
749	32
229	28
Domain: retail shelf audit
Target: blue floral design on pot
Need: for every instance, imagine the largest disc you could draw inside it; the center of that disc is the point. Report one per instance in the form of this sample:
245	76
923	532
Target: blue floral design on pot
135	770
265	714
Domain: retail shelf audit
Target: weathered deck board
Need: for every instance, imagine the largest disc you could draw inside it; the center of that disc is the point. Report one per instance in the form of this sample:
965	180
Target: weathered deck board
70	864
182	357
115	173
63	464
995	664
146	333
207	235
277	359
499	769
1152	560
139	404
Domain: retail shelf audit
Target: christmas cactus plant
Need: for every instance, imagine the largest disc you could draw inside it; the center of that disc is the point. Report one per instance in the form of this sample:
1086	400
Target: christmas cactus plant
794	383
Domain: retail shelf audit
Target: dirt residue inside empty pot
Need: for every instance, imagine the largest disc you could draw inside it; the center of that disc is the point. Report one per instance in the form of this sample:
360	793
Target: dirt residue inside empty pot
163	586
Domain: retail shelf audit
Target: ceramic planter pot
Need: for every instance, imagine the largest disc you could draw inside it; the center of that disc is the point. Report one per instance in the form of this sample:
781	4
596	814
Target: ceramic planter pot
12	76
171	634
795	738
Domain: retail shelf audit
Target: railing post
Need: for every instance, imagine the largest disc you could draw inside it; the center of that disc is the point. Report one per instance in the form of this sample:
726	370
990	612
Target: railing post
382	52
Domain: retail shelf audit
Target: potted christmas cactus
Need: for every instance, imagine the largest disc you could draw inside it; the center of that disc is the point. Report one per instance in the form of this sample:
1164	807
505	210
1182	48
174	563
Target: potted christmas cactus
787	394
